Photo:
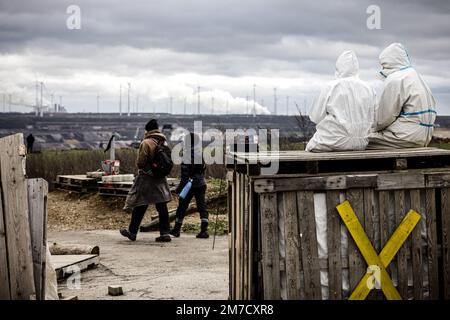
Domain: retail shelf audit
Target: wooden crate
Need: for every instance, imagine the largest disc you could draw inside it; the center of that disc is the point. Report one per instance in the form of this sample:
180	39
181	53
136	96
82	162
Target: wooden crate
76	183
274	249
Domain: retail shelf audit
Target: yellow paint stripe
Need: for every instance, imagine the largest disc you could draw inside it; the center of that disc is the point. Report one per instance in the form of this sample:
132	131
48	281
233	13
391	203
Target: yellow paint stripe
365	246
389	251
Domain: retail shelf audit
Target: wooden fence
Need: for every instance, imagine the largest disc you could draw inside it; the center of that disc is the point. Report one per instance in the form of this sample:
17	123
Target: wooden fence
23	214
274	247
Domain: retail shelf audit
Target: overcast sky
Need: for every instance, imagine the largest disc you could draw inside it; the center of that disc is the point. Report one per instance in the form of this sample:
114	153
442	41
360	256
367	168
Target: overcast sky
169	48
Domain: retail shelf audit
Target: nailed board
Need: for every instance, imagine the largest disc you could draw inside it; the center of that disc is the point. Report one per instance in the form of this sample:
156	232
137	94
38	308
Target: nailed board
16	220
37	204
77	183
4	275
66	265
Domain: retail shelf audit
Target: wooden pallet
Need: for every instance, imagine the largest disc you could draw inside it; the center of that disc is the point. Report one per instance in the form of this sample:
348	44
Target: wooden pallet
274	243
67	264
349	161
120	189
77	183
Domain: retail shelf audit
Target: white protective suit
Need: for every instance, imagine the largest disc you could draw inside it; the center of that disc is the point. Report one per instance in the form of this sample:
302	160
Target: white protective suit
344	110
406	111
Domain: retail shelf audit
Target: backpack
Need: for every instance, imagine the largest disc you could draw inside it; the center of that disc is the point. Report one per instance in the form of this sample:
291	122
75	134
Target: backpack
161	164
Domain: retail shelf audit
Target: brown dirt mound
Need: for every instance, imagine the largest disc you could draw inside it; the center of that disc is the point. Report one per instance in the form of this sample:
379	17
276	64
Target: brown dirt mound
72	211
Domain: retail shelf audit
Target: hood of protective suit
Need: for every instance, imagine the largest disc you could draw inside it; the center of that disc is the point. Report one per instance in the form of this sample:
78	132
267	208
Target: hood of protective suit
347	65
394	58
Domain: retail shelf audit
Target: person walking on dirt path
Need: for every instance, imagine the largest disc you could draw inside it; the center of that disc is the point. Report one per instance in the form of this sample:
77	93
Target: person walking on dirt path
149	188
193	170
30	142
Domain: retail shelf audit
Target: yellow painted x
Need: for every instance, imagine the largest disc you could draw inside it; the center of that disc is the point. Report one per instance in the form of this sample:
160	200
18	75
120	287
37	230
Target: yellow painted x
368	252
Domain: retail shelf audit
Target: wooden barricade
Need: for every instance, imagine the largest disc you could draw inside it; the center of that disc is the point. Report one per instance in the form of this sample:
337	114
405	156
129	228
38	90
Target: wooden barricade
274	247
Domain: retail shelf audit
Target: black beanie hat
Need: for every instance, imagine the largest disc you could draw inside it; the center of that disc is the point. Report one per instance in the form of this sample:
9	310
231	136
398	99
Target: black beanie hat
151	125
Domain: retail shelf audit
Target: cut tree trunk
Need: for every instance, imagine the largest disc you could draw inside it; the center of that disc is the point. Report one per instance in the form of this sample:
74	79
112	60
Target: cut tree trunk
62	249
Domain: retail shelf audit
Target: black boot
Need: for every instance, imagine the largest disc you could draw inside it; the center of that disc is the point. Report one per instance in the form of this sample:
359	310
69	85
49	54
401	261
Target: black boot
203	231
163	238
176	230
128	234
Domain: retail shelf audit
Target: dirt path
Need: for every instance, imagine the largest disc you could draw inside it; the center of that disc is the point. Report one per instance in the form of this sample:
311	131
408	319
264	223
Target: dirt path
186	268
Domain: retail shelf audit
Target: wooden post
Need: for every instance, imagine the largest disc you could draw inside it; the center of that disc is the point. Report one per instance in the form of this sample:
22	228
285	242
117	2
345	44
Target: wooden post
445	222
433	275
16	219
357	267
308	245
37	205
334	246
4	274
416	250
270	243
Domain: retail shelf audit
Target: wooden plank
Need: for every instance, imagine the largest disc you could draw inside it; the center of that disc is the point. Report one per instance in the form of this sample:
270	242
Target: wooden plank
334	246
308	243
81	178
370	216
270	241
445	221
359	236
402	263
242	236
357	266
16	219
37	208
4	273
66	265
437	180
230	233
339	182
361	181
432	249
370	212
250	259
387	253
416	249
233	241
282	244
383	202
292	243
238	236
245	259
401	181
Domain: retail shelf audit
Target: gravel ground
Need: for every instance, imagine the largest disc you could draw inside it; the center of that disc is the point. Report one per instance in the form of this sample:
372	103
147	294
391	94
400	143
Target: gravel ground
186	268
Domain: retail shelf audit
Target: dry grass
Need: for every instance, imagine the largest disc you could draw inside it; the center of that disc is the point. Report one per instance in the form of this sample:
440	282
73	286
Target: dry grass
49	164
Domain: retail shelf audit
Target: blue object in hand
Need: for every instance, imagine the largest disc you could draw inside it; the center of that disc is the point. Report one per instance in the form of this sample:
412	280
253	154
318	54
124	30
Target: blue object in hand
186	189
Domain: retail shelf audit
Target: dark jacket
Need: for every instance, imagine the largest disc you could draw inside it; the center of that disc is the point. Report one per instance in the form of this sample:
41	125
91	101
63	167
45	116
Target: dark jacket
147	189
193	171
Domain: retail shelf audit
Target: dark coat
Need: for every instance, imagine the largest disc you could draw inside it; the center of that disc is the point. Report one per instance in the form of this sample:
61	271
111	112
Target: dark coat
193	171
147	189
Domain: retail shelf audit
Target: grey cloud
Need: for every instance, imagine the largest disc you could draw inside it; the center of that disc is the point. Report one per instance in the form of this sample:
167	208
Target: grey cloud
233	38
